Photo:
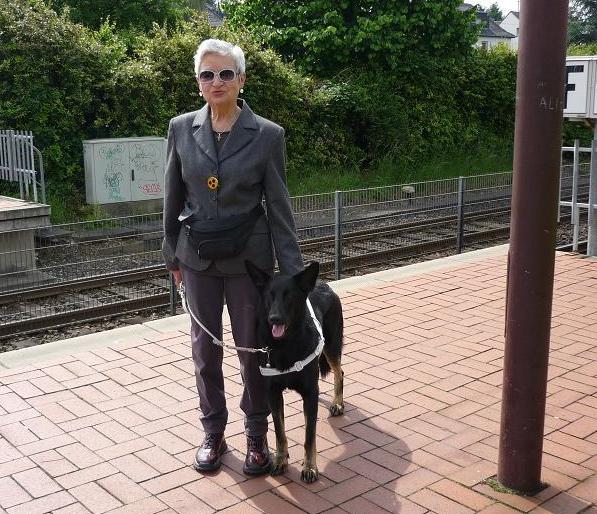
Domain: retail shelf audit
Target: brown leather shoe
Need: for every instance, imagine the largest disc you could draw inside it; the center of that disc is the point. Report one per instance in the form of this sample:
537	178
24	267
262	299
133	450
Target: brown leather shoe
257	460
209	454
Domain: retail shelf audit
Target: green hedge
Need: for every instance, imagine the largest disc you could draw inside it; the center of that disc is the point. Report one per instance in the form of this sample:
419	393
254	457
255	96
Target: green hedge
67	83
135	15
51	75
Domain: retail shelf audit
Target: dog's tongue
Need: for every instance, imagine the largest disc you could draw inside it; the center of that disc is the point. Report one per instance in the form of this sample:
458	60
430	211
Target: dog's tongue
278	331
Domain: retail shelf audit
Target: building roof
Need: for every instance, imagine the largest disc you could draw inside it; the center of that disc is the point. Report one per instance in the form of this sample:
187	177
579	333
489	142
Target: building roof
215	17
515	13
490	28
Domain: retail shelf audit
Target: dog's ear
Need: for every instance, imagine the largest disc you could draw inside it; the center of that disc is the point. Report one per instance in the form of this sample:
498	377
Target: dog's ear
306	279
259	277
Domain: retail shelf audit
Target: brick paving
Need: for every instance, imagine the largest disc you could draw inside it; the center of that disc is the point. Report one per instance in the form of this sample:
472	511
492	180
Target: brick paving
112	426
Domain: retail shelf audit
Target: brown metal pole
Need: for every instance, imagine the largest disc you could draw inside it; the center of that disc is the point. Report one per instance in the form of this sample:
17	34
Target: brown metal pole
537	142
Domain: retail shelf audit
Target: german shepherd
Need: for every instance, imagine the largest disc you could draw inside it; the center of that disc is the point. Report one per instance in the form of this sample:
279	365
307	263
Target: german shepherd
285	327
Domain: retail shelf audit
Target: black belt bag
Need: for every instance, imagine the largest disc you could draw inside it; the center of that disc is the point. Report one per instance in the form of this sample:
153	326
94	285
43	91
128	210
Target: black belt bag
222	238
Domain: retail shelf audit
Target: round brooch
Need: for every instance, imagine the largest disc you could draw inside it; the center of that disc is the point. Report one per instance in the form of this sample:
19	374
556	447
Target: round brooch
212	182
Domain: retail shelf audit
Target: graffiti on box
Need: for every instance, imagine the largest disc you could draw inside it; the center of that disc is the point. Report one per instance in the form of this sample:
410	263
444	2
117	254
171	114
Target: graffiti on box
129	170
114	168
148	168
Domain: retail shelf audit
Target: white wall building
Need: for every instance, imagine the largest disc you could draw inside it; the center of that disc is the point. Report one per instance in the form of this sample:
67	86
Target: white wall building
490	34
511	24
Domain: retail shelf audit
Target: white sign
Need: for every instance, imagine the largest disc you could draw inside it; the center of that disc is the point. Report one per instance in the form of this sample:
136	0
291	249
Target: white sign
577	74
581	87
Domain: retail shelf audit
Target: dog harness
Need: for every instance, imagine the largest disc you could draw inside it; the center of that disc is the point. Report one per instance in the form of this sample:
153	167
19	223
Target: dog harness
267	370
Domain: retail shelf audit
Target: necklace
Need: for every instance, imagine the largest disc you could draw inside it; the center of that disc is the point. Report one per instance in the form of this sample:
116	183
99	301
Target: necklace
228	128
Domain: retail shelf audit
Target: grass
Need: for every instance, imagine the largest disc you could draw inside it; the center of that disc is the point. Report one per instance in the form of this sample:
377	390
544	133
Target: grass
9	189
64	208
500	488
389	172
384	173
65	211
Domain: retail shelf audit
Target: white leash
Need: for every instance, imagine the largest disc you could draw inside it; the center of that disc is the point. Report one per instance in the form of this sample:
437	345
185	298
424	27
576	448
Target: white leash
266	370
216	341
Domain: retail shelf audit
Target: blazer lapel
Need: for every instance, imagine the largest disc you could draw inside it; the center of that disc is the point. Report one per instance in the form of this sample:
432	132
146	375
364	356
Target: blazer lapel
243	131
203	134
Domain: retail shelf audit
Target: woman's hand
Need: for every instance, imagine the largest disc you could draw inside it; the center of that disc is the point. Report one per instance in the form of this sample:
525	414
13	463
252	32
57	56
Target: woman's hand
177	276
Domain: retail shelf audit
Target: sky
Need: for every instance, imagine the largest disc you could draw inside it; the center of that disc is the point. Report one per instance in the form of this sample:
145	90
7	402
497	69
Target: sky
505	5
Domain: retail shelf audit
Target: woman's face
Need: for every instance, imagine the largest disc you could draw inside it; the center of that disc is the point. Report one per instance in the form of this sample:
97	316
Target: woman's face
219	93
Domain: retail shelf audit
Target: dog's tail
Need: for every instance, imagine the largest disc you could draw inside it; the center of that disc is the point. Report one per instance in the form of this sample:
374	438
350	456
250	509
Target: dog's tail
324	366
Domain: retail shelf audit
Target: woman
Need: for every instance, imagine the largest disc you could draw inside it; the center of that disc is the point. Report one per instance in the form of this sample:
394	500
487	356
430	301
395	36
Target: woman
221	161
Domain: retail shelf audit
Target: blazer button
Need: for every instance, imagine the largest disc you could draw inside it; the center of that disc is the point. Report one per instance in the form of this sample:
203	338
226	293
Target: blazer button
213	196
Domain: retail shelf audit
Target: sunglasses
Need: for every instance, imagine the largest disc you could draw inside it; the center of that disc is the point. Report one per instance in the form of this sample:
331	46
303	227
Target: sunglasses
223	75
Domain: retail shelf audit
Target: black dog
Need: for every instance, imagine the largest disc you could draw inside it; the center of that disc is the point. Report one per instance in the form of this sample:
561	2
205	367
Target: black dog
286	328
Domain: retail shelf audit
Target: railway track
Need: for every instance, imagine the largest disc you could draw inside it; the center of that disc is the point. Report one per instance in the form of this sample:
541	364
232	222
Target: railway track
83	300
386	244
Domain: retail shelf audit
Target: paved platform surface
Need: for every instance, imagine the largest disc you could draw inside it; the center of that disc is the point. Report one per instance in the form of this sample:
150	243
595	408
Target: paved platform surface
108	422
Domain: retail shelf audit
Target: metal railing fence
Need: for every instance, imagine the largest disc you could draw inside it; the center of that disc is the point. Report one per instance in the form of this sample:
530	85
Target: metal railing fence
578	182
343	230
77	251
18	164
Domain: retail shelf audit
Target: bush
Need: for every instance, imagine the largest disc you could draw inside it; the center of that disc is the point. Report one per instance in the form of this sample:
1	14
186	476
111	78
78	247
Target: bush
584	49
125	14
67	83
448	106
52	73
327	36
490	88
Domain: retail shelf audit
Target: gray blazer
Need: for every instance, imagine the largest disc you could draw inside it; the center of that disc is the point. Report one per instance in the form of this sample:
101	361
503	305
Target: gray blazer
251	165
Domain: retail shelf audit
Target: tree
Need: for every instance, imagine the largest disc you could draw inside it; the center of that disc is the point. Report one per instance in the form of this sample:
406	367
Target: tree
52	73
126	14
325	36
495	13
582	24
198	5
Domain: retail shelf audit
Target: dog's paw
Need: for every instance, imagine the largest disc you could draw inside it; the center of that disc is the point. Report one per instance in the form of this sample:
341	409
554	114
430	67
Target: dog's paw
279	464
309	475
337	409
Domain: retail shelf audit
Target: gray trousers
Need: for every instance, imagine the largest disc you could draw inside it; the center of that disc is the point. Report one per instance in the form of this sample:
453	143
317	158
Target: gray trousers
205	296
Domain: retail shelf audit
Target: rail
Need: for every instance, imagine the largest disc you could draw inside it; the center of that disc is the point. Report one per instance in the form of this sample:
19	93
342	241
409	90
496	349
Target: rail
54	305
92	264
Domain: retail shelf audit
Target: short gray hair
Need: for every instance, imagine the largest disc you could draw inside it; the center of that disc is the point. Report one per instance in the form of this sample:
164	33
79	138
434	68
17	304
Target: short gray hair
217	46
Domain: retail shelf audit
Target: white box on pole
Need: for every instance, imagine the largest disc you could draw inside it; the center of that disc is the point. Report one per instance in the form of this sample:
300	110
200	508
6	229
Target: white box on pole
581	87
